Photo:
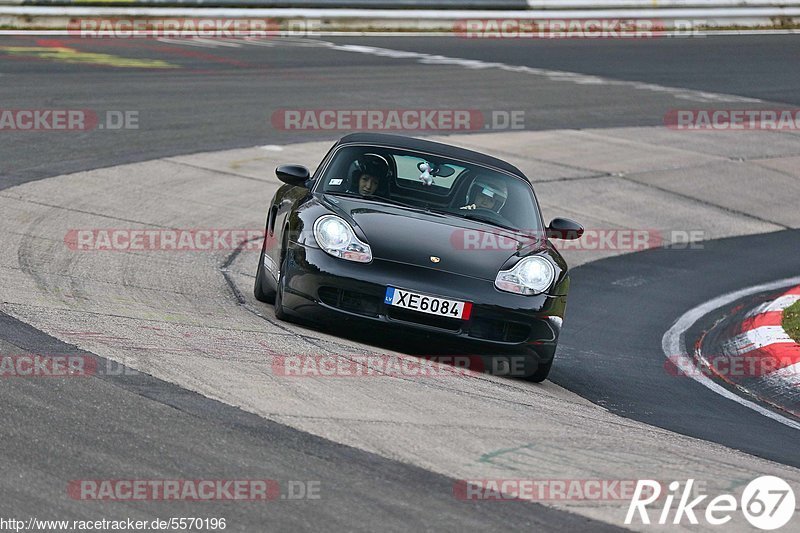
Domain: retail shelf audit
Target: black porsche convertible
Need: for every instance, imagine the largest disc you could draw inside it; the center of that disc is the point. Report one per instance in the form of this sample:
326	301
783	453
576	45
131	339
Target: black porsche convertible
417	234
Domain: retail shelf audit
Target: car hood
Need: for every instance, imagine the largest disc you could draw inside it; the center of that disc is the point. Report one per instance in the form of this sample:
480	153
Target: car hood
417	237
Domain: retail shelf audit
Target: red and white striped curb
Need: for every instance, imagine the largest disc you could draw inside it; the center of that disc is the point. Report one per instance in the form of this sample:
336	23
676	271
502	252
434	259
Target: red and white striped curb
762	336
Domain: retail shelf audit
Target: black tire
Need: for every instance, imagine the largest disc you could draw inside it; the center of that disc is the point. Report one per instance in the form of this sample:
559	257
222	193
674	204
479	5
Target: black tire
280	312
548	353
542	371
267	296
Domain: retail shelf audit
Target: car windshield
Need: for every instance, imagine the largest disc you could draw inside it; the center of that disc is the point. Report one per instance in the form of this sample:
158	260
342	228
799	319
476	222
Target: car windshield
431	182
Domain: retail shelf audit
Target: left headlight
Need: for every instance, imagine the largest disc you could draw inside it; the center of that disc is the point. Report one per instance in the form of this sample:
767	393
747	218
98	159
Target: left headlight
532	275
338	239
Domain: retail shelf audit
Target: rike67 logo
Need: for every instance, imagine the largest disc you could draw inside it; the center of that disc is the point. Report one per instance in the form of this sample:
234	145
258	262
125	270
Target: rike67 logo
767	503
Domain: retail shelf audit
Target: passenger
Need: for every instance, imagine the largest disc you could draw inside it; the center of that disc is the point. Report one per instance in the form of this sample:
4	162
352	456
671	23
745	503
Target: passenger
487	193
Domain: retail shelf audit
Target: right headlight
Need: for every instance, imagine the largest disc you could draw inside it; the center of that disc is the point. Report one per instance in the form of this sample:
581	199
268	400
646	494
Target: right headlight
338	239
531	275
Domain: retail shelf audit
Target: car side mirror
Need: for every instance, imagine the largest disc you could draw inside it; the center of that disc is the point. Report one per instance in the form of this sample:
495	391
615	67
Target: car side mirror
296	175
564	228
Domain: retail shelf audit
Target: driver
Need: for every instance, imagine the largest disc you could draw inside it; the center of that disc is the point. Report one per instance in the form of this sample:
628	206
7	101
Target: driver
487	193
371	170
368	184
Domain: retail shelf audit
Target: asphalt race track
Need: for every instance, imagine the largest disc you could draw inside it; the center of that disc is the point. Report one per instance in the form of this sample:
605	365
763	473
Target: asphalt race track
78	429
207	102
625	372
386	456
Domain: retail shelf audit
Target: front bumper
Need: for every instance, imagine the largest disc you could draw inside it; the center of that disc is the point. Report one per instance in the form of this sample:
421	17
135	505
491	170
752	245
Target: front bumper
320	287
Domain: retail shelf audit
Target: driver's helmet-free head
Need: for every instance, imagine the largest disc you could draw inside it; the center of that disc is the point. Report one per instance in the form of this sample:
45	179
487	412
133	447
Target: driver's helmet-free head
488	193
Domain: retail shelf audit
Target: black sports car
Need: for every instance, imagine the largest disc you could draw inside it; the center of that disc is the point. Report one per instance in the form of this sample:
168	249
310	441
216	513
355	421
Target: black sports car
417	234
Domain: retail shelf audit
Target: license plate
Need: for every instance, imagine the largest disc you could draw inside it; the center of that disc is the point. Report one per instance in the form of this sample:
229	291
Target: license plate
428	304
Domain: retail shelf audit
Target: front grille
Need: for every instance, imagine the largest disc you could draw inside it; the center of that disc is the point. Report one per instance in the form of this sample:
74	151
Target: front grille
406	315
499	330
355	302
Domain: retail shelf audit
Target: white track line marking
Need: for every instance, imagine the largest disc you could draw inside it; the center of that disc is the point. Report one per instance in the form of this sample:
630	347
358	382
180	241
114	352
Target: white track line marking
220	42
554	75
186	42
259	41
673	345
473	64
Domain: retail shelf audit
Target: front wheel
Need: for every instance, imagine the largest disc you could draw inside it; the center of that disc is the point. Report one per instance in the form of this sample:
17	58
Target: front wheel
268	295
542	371
280	312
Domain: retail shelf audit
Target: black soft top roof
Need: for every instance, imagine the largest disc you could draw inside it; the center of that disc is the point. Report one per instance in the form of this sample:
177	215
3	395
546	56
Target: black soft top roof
446	150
